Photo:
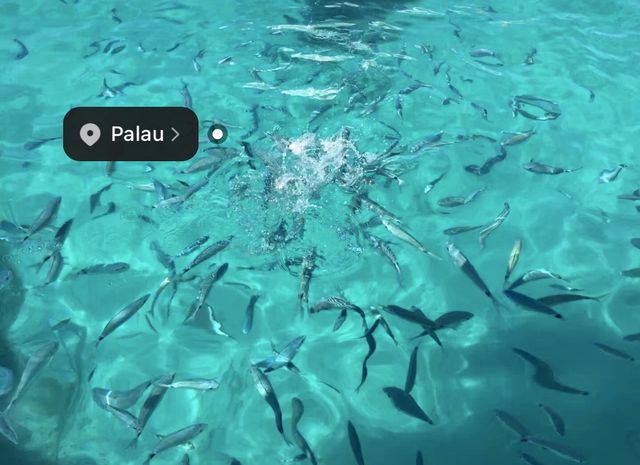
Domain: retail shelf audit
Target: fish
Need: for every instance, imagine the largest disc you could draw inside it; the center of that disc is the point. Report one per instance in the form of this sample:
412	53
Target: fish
406	403
554	418
281	358
306	273
462	262
412	371
297	409
632	337
557	449
529	303
205	290
513	259
540	168
94	199
610	175
336	302
248	314
371	342
457	201
535	275
104	268
125	417
187	101
460	230
383	322
565	298
151	403
482	52
208	253
34	144
530	459
528	60
488	165
6	276
264	387
516	138
399	106
431	185
452	319
354	442
56	266
122	317
607	349
495	224
429	141
419	459
551	110
382	247
23	50
7	430
544	375
511	423
198	384
177	438
632	273
120	399
415	315
406	237
44	217
38	360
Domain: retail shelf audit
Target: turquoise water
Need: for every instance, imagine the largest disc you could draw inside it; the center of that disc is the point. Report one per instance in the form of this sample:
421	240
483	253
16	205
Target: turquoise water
318	68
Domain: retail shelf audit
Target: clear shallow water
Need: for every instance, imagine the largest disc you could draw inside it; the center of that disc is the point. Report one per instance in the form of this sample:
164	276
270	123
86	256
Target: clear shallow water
301	177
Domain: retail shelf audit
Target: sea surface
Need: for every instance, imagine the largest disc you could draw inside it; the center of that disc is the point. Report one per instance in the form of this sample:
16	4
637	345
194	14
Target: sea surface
341	116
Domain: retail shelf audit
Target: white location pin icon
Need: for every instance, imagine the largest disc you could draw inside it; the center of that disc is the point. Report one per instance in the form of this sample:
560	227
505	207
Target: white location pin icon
90	133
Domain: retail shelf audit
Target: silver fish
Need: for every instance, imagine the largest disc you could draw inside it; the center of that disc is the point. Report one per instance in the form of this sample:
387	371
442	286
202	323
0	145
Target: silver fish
297	409
544	376
175	439
105	268
610	175
306	273
406	403
5	278
126	417
554	418
511	423
535	275
429	187
207	253
186	96
354	441
192	247
406	237
469	270
613	351
412	371
383	248
529	303
36	362
530	459
57	261
44	217
495	224
122	317
540	168
120	399
248	314
457	201
557	449
282	358
517	138
205	289
198	384
151	402
513	259
264	387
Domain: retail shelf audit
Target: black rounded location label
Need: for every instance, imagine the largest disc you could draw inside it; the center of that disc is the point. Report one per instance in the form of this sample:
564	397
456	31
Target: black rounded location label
217	133
130	133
